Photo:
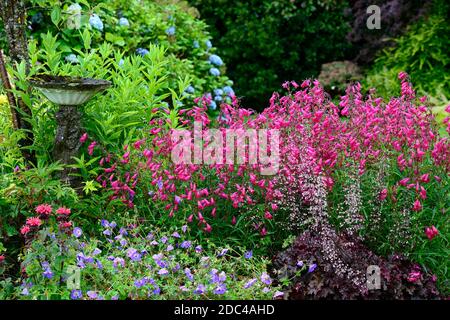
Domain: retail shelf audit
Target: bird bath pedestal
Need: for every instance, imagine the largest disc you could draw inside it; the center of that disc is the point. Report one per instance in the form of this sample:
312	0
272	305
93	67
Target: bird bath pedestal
69	93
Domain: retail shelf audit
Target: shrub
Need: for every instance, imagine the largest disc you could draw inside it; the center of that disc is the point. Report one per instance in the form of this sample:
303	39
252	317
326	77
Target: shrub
267	42
396	16
422	52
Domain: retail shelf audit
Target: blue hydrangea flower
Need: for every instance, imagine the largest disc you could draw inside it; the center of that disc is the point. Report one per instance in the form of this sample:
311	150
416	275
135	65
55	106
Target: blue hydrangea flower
208	44
218	98
77	232
74	8
196	44
215	60
212	105
228	90
96	22
218	92
170	31
72	58
76	294
142	52
215	72
124	22
190	89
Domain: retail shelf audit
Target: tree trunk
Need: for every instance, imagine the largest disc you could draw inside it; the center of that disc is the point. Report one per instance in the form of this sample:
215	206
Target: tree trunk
13	14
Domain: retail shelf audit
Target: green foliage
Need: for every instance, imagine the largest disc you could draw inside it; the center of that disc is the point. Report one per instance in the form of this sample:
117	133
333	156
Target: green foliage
268	42
422	52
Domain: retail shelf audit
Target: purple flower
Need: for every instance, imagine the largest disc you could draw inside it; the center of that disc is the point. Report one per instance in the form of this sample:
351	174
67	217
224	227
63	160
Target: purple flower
92	294
185	244
163	239
177	199
118	261
123	242
300	264
154	243
96	251
157	291
250	283
265	278
169	247
150	236
176	235
312	268
278	294
184	228
107	232
200	289
188	274
139	283
99	264
123	231
198	249
113	224
222	253
76	294
48	273
77	232
163	272
248	254
220	289
105	223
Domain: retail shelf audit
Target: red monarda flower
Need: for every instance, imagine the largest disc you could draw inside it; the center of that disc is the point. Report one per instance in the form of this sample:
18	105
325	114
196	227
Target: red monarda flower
34	222
63	211
44	209
24	230
65	225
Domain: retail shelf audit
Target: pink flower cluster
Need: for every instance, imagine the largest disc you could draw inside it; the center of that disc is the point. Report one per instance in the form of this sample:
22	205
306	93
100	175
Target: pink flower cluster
313	134
44	211
431	232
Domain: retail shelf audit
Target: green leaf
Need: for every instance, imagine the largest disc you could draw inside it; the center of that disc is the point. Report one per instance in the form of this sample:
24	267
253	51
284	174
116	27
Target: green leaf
56	15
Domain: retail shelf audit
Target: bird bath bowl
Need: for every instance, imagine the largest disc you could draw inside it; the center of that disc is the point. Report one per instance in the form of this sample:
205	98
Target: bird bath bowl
68	93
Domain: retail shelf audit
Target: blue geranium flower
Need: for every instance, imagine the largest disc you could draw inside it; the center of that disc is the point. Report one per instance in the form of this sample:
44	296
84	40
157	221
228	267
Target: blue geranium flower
124	22
142	52
96	22
76	294
215	72
215	60
170	31
77	232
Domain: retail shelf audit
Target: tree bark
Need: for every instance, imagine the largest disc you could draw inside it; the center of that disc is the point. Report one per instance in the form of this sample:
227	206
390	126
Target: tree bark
13	14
